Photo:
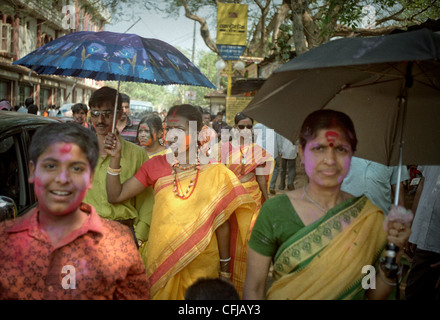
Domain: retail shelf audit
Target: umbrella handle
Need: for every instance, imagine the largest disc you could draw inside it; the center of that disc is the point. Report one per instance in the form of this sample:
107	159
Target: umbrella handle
116	107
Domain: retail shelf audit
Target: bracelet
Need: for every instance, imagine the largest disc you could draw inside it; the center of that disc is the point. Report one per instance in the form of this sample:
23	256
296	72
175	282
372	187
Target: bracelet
114	171
225	274
113	174
225	260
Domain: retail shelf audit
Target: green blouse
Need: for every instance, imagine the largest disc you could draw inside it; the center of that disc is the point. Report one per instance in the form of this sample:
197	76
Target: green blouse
276	222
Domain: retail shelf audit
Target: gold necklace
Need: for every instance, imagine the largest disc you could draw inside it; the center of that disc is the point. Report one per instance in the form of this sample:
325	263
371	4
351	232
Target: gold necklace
313	201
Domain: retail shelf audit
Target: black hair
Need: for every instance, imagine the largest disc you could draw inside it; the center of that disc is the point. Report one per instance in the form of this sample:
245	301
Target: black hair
33	109
327	119
69	132
188	111
78	107
211	289
105	94
28	102
125	98
241	116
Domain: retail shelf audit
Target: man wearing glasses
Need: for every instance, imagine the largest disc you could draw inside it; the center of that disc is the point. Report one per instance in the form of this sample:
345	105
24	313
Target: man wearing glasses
102	104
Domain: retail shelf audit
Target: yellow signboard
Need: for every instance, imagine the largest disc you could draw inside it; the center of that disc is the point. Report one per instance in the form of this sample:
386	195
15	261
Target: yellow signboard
232	23
235	105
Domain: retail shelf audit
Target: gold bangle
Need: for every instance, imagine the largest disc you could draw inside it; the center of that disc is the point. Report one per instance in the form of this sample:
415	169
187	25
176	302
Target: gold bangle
114	171
225	274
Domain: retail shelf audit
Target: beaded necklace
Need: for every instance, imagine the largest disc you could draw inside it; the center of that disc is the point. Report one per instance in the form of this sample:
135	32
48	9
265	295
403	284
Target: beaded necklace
192	183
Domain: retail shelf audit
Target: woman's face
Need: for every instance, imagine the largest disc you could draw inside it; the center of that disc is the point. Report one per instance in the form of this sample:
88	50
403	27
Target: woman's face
145	136
178	133
327	157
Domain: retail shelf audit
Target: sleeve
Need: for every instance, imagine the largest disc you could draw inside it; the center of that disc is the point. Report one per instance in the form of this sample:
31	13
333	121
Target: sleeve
151	170
262	238
404	175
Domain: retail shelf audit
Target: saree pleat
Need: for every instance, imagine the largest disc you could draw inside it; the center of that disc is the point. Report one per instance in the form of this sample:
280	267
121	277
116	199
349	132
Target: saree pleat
325	259
182	246
254	157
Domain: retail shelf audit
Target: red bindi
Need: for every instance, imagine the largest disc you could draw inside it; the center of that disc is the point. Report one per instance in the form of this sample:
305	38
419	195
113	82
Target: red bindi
66	148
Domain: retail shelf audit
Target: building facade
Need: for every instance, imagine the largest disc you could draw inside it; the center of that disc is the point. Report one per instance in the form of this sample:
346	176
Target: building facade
26	26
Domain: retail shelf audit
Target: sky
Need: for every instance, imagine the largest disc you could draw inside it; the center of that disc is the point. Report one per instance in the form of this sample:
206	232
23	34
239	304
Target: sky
177	32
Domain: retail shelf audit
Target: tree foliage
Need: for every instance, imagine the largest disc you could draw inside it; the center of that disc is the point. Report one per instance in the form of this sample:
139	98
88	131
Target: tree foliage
278	26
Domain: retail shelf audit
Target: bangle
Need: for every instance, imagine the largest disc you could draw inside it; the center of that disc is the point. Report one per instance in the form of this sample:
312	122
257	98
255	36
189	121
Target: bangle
114	171
225	274
113	174
225	260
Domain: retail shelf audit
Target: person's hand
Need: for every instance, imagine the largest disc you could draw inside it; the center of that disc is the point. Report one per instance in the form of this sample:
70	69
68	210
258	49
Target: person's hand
398	227
112	145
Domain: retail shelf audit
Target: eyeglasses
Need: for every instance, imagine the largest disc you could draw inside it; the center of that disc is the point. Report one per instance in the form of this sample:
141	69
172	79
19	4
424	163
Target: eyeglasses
242	126
105	113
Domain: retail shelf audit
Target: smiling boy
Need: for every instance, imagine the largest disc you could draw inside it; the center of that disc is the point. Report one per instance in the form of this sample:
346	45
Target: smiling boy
62	249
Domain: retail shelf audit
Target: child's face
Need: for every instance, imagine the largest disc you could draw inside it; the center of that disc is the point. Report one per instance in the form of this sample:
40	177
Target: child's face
61	177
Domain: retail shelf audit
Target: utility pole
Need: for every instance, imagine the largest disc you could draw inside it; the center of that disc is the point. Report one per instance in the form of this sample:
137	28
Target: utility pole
194	42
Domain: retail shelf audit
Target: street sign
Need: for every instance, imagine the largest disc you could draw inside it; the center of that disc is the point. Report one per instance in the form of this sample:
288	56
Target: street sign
230	52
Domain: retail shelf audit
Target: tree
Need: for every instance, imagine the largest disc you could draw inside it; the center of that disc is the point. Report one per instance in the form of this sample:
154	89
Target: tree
312	22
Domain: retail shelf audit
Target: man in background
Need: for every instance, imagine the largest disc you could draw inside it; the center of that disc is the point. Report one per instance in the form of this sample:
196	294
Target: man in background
126	126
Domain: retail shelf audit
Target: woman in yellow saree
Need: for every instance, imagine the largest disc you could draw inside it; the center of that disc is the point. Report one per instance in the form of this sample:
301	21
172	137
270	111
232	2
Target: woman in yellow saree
190	231
253	166
319	238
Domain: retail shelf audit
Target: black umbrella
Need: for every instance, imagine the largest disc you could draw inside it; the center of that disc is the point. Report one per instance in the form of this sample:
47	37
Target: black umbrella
388	85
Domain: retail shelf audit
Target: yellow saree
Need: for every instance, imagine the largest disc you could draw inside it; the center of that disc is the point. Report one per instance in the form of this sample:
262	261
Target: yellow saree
182	246
242	162
325	261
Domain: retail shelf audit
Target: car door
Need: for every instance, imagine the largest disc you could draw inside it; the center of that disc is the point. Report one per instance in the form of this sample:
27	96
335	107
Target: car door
14	167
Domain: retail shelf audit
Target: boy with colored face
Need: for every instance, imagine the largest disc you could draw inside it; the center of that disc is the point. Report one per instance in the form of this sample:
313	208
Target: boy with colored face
62	249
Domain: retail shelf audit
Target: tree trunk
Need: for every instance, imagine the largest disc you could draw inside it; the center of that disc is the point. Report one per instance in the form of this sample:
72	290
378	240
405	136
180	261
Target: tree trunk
298	8
204	30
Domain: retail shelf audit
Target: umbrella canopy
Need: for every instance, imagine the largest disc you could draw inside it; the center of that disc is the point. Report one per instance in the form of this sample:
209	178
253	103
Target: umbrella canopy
388	85
114	56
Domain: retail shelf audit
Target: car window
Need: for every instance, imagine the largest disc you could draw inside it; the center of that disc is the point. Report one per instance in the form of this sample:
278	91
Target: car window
12	175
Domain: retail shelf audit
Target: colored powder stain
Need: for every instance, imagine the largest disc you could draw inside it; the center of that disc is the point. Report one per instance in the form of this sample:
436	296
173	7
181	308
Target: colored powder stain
66	148
331	137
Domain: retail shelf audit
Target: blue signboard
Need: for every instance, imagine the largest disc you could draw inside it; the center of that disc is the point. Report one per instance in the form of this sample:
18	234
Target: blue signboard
230	52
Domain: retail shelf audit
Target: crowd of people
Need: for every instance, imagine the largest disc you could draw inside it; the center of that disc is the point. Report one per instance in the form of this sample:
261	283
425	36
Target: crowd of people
177	207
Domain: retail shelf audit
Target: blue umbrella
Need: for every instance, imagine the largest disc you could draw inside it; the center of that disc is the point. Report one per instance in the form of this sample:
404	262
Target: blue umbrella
115	56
